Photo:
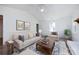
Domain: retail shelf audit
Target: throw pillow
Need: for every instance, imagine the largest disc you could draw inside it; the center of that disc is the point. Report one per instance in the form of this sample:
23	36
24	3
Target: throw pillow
21	37
30	35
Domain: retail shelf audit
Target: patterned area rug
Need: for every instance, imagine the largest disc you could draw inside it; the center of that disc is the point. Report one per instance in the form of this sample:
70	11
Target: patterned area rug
59	49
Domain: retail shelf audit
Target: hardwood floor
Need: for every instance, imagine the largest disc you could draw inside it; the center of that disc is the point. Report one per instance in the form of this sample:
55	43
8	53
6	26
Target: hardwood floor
3	50
1	34
0	50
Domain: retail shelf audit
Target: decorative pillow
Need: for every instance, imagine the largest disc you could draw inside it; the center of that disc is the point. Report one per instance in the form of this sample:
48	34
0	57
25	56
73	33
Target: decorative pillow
21	37
30	35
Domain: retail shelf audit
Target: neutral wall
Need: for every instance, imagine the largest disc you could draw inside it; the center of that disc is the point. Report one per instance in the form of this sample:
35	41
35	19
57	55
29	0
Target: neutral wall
61	15
61	24
64	16
10	15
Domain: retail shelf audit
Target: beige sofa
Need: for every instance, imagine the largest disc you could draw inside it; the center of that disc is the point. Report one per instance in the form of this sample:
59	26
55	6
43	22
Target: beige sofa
21	45
27	41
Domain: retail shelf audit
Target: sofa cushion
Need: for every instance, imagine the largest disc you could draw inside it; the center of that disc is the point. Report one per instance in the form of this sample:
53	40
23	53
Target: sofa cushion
30	41
19	42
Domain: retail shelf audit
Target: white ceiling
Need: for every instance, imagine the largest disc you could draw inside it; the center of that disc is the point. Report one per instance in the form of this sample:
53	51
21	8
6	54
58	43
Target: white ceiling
51	10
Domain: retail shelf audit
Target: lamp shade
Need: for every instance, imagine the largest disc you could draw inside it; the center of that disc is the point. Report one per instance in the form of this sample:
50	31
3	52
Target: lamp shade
40	30
77	20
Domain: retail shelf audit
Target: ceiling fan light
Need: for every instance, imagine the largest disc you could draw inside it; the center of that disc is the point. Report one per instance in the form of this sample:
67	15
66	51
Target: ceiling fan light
42	10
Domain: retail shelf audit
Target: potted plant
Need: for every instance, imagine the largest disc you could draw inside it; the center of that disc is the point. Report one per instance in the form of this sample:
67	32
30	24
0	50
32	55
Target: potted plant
67	33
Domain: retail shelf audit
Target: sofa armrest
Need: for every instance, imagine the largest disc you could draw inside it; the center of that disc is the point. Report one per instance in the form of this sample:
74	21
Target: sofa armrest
16	45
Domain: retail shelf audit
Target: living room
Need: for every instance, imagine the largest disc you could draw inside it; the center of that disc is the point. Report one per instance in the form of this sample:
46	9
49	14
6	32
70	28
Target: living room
22	20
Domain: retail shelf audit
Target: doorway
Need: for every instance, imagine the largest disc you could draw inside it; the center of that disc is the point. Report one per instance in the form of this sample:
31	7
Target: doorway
1	30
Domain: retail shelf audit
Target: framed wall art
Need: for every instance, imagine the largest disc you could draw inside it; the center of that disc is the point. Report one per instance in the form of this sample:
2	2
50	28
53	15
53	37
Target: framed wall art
27	25
20	25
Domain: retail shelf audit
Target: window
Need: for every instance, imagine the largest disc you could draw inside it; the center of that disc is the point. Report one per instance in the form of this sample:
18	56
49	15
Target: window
52	27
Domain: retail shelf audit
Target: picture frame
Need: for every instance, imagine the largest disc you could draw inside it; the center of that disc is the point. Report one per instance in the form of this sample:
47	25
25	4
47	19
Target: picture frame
20	25
27	25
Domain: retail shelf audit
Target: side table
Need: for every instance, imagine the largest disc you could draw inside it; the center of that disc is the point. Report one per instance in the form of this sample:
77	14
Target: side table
10	47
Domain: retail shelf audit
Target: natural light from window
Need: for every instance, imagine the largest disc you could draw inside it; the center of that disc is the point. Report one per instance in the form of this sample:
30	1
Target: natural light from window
52	27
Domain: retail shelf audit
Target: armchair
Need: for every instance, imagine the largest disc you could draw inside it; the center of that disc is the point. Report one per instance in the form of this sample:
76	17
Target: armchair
54	36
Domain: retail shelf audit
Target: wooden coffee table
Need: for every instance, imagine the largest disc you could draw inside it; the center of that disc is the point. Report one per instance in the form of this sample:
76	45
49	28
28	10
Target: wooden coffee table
45	47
